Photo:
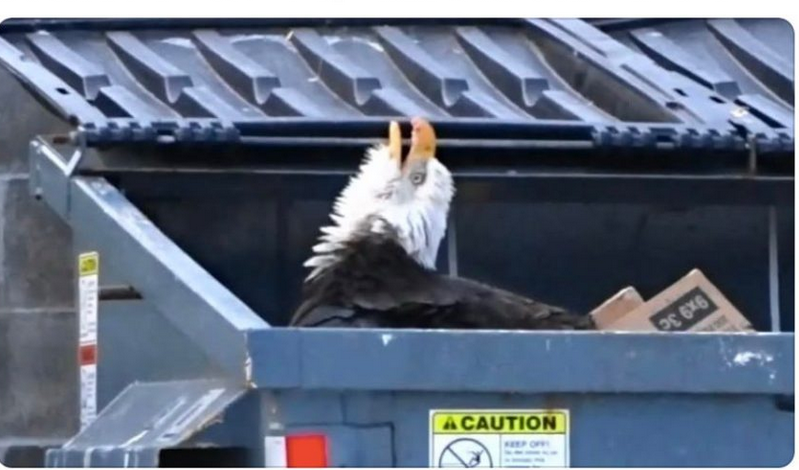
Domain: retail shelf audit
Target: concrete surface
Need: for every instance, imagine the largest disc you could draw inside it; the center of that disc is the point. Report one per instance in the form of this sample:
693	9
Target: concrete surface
38	386
38	381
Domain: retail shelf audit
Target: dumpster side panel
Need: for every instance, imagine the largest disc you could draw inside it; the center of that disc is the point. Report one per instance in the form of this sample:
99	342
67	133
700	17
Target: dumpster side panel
562	252
523	361
137	344
575	254
607	430
786	237
631	430
242	243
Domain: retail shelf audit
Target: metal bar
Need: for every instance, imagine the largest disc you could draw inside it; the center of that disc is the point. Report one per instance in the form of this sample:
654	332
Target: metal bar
471	127
523	362
334	141
476	186
773	270
452	243
183	291
374	127
118	293
282	212
649	134
48	176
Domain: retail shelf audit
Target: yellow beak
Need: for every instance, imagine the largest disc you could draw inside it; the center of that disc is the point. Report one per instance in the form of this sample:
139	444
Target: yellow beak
395	142
423	142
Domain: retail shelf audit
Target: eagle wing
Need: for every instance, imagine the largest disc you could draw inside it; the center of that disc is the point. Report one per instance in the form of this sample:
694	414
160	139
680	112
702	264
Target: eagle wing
376	284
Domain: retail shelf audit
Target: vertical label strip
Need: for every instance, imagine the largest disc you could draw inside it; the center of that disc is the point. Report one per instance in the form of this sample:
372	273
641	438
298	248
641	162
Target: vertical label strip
275	452
88	286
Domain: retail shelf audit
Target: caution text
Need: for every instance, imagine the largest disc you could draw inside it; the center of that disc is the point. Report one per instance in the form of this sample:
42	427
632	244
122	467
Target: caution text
502	423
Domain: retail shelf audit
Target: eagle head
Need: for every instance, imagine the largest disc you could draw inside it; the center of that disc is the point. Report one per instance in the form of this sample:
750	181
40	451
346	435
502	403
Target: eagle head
408	196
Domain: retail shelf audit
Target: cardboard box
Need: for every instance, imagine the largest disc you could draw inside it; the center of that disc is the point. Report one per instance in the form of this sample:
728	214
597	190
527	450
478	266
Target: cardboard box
616	307
691	304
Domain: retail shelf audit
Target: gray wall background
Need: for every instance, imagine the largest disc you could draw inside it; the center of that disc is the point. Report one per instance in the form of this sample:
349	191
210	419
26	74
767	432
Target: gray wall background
38	389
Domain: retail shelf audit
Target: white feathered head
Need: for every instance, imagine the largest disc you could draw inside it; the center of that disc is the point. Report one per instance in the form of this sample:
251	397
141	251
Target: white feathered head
410	194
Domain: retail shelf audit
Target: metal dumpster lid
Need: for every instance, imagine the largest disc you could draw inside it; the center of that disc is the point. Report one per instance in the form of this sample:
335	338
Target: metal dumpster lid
747	61
228	80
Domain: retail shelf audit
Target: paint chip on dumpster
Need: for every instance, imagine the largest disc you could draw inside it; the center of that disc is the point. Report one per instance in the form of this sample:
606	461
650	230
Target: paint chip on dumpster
499	438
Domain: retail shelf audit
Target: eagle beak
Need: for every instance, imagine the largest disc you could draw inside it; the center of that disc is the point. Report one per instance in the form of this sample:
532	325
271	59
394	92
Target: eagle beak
395	142
423	141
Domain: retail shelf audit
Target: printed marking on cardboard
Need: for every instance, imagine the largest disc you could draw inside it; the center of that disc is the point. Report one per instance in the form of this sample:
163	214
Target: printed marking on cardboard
499	438
685	312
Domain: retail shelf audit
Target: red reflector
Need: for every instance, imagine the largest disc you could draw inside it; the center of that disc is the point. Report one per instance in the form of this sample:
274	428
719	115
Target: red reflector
88	354
306	451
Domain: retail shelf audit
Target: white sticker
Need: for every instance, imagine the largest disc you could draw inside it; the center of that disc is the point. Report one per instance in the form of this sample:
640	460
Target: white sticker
499	438
88	286
275	451
88	394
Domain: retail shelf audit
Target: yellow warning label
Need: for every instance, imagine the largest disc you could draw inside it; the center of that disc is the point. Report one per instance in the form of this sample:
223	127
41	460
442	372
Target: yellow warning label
88	263
499	438
536	422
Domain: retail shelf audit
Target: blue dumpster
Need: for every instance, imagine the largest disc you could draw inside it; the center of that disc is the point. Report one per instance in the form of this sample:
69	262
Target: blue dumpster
588	157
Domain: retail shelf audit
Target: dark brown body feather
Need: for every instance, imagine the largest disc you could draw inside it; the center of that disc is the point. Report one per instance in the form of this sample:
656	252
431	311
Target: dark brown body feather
376	284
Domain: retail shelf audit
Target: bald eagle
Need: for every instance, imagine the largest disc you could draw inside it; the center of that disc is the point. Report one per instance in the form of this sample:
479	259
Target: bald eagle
375	266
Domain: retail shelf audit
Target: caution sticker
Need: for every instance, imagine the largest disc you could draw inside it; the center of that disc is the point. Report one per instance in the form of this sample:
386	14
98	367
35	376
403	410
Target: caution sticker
499	438
89	263
88	285
88	292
